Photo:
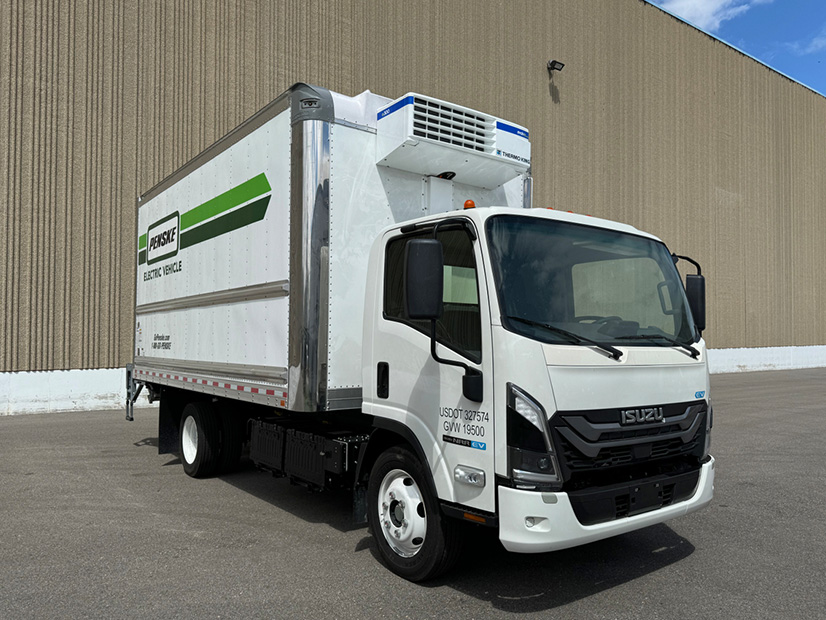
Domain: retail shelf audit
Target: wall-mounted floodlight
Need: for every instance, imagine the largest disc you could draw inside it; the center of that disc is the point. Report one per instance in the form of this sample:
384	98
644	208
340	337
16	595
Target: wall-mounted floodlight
554	65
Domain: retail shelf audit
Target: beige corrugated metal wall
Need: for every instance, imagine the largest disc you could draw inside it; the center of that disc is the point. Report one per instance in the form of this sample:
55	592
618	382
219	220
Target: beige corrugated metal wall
651	122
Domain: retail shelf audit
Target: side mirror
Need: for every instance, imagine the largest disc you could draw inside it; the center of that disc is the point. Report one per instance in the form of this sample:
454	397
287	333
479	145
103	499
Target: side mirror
423	279
695	290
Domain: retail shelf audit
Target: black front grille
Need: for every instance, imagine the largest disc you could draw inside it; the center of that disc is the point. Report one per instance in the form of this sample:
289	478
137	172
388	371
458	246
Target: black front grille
661	429
623	455
595	445
609	457
663	449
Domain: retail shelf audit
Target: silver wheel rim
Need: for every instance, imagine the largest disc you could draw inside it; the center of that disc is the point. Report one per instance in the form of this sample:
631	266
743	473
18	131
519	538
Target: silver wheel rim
402	515
189	439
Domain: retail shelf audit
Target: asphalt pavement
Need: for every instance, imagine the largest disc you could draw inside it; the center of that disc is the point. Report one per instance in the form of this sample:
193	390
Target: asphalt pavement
95	523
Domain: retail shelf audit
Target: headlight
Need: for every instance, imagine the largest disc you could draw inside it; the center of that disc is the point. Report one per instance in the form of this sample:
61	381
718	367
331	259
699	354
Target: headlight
531	461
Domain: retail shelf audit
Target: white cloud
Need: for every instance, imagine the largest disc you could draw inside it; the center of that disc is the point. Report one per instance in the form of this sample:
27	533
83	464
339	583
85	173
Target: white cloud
709	14
811	46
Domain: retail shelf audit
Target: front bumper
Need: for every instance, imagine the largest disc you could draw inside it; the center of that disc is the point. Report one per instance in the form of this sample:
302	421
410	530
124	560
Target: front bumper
555	525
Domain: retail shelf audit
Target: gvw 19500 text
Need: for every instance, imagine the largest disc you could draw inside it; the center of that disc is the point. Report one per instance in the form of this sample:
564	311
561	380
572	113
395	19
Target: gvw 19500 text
458	420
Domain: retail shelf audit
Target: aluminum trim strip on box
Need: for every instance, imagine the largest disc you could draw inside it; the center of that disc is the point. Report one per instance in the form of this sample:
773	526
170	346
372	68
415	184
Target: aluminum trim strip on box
268	290
274	374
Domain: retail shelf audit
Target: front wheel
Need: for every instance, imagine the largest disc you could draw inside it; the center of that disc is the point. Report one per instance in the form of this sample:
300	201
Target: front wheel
414	538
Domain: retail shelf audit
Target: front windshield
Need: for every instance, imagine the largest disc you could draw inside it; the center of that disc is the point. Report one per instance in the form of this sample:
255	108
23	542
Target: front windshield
558	282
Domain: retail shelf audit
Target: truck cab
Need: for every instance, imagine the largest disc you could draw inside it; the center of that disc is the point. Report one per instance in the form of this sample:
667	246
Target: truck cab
591	416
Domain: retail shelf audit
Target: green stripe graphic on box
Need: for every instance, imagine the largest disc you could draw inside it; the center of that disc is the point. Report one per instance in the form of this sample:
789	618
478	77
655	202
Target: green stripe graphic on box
201	224
226	201
249	214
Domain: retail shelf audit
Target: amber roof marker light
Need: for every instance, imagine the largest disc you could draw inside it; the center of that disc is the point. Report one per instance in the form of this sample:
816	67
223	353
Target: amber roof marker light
469	204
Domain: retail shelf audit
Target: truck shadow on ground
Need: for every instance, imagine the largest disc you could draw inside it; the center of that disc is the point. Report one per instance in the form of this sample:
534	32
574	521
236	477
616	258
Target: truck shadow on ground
525	583
522	583
510	582
152	442
331	507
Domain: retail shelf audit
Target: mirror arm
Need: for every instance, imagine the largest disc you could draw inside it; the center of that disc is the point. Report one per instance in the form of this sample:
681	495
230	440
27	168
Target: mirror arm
677	257
472	390
436	357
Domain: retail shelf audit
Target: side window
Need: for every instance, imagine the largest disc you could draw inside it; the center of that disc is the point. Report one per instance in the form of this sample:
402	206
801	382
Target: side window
459	327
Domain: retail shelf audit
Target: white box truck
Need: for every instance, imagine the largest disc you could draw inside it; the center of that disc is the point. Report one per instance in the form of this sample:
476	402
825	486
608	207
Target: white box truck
315	286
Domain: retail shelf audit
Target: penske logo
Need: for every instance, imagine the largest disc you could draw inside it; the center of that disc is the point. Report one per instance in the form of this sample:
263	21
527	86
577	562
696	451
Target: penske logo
162	238
167	236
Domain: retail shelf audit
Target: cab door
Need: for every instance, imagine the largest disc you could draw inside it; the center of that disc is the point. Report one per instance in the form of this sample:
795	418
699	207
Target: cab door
427	396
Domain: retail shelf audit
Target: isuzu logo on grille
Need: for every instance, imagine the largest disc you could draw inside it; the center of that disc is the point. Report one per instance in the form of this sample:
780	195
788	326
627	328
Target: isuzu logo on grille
641	416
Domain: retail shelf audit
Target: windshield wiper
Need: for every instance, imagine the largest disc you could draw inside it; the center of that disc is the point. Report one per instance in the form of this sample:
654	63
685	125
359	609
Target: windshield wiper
571	336
694	352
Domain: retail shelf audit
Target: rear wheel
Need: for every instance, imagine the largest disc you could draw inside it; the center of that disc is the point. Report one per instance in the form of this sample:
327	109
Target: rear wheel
414	538
200	439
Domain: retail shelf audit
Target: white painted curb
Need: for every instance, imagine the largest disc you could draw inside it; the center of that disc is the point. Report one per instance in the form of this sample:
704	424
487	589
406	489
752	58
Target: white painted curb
64	390
765	358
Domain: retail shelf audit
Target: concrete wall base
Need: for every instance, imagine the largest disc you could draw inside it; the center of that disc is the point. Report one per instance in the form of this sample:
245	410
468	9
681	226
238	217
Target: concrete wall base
65	390
765	358
105	388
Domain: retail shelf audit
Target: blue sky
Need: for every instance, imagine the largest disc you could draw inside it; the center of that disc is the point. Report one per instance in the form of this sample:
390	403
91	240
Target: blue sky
787	35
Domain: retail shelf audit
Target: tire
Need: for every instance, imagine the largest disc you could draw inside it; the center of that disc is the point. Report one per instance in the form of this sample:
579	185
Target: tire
415	540
199	439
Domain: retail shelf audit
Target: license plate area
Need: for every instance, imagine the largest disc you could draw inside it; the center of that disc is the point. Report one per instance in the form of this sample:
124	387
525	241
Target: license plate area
645	497
619	501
